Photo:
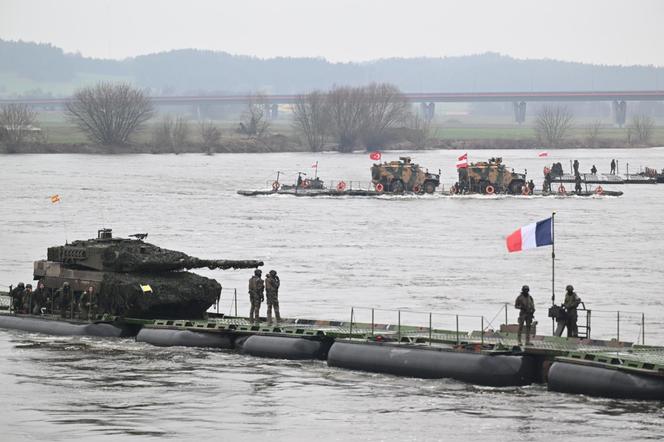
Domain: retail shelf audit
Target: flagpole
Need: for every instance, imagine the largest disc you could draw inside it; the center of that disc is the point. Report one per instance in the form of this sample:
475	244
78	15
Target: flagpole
553	266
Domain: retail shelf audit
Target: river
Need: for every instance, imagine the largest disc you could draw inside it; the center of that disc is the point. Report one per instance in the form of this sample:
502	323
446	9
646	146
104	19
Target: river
419	254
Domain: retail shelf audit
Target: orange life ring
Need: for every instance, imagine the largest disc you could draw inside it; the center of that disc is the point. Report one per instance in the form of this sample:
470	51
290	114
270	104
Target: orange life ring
306	183
416	189
525	190
599	190
379	187
562	190
490	190
276	185
341	186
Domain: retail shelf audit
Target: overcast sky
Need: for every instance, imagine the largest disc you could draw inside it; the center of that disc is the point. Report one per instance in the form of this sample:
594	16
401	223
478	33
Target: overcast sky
608	32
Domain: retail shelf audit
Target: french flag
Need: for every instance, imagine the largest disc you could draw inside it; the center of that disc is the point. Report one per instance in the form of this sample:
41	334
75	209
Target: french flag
533	235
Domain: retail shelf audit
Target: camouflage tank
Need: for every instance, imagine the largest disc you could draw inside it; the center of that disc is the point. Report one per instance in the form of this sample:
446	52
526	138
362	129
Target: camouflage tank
481	177
403	176
132	278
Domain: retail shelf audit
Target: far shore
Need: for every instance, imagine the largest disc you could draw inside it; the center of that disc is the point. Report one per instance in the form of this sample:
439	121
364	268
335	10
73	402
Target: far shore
272	146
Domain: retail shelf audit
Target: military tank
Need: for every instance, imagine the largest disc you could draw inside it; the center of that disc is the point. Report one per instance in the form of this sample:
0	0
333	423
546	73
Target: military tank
403	176
490	177
132	278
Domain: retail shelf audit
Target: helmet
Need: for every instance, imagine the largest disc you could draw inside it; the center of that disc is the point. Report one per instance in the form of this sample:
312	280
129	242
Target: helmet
258	272
525	288
21	285
29	286
65	284
569	288
273	272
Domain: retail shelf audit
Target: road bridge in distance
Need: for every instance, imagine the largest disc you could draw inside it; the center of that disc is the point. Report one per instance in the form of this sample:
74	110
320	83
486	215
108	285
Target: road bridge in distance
427	100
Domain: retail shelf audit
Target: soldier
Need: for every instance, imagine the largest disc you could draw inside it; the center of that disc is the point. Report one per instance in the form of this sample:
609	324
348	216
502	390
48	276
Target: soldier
576	167
38	299
17	297
524	302
531	186
86	304
27	299
546	187
593	170
571	303
272	284
613	167
577	184
256	287
63	299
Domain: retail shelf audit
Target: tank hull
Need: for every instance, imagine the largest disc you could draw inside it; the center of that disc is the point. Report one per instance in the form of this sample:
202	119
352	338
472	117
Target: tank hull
603	382
474	368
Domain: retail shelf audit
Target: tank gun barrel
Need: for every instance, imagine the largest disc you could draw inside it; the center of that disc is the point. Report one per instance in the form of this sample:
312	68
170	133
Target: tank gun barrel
223	264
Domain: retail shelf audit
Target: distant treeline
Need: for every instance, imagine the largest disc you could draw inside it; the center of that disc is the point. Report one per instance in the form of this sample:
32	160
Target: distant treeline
190	71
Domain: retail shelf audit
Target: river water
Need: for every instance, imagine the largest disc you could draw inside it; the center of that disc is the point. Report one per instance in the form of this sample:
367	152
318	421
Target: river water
420	254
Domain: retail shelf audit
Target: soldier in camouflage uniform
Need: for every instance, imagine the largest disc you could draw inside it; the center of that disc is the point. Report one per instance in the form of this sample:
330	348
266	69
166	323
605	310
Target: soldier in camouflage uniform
86	304
272	284
27	299
256	287
17	297
63	299
39	299
524	302
571	303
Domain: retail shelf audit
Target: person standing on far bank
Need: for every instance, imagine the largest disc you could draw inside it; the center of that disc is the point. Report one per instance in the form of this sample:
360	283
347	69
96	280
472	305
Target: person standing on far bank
256	288
613	167
272	284
526	305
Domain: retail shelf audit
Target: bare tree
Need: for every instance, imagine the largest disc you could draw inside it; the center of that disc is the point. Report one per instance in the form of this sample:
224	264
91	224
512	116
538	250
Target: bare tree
592	133
552	124
641	128
311	119
385	107
419	129
347	107
109	113
254	121
16	123
210	135
171	133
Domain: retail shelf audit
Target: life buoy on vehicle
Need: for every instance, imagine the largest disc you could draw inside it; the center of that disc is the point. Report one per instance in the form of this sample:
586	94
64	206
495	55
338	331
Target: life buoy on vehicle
379	187
306	183
276	185
599	190
562	190
490	190
525	190
416	188
341	186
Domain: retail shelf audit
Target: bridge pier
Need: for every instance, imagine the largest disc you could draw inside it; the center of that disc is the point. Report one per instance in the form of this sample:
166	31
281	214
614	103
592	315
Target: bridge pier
519	111
428	110
619	109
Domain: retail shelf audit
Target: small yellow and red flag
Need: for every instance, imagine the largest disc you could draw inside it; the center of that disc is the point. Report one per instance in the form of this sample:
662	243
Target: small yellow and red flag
55	198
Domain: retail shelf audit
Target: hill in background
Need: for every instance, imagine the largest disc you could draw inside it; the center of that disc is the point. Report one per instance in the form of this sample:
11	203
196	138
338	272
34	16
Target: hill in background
39	70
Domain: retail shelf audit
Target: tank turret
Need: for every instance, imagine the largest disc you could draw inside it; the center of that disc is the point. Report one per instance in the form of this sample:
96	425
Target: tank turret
133	278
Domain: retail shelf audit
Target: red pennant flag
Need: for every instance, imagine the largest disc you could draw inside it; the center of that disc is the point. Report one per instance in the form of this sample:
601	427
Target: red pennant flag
375	155
462	161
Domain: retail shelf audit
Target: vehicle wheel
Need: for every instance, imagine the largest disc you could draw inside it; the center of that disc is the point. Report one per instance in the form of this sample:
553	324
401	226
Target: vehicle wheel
397	187
429	187
516	187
